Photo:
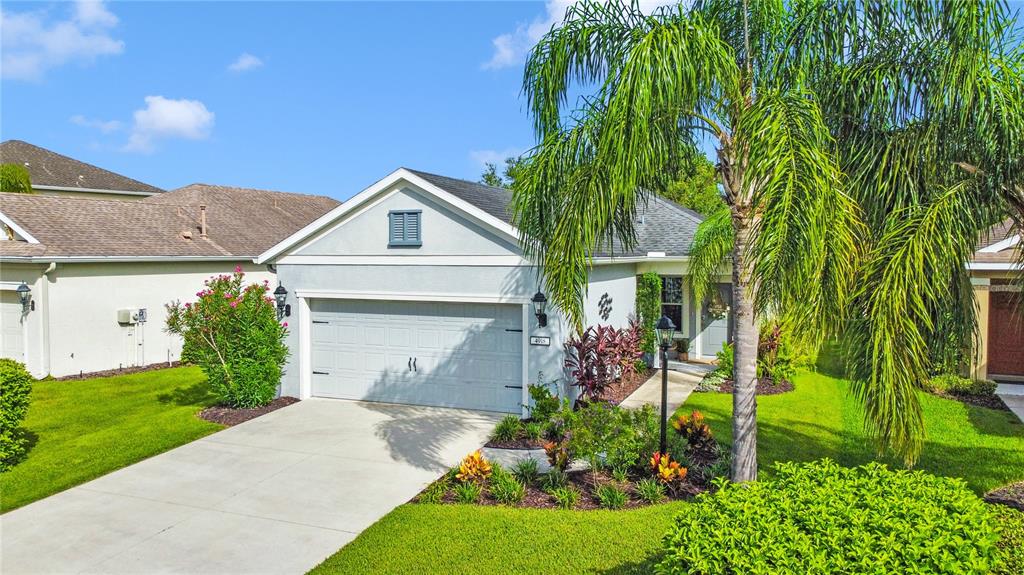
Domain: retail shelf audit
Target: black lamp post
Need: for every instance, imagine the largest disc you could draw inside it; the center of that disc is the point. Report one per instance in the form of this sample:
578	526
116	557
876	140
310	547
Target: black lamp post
540	303
665	331
280	296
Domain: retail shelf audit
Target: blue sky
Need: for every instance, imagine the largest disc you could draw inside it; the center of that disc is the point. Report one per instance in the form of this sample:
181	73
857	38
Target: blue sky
312	97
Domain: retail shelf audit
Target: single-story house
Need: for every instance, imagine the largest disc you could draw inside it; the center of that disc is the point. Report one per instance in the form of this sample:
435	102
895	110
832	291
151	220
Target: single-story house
995	272
54	174
99	271
416	291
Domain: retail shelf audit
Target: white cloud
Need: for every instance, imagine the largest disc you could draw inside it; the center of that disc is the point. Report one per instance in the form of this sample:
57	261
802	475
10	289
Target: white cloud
245	62
165	118
496	157
32	42
105	126
510	49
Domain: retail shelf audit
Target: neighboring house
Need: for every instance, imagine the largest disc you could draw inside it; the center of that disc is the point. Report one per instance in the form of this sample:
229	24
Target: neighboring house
53	174
416	291
100	271
995	272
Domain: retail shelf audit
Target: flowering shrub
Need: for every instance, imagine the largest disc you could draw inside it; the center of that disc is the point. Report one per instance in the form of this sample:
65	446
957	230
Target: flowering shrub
232	333
666	470
602	354
695	430
474	468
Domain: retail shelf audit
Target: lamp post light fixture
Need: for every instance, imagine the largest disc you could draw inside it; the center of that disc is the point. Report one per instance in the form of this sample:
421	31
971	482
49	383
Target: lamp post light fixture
25	295
540	304
665	331
280	296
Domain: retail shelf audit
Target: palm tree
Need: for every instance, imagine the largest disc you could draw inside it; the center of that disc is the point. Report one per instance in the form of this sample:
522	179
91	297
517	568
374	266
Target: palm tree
824	115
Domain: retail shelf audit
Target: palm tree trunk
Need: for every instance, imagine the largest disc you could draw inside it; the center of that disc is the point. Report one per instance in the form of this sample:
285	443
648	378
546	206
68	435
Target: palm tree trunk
745	340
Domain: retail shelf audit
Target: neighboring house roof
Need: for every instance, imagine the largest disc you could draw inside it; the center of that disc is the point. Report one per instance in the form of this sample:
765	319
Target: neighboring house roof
999	247
241	223
663	227
48	169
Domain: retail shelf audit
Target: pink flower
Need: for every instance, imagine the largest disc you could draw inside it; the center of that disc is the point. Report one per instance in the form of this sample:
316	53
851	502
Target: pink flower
238	269
285	324
187	305
234	304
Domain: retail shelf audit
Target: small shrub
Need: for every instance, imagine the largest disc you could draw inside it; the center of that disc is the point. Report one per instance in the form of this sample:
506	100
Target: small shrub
543	403
665	470
435	492
558	454
554	479
720	468
696	431
954	384
611	496
600	355
507	429
232	333
620	474
474	468
650	490
725	360
467	492
534	431
15	396
526	470
565	497
506	489
822	518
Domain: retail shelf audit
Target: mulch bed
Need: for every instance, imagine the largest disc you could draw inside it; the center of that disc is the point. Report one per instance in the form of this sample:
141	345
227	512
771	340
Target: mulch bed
620	390
1011	495
233	416
120	371
518	443
989	401
765	386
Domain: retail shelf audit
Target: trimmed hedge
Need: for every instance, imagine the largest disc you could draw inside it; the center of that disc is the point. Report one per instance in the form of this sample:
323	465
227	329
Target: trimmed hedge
820	517
951	383
15	394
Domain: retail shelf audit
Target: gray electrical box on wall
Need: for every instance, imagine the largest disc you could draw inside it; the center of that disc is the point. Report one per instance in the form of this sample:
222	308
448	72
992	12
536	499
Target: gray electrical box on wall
128	316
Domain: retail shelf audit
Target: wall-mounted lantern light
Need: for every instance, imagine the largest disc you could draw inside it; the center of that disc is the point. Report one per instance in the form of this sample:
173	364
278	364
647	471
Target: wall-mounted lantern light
25	295
540	304
280	296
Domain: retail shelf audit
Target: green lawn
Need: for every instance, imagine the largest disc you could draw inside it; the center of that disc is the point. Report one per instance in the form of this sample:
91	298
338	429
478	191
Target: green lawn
469	539
84	429
820	418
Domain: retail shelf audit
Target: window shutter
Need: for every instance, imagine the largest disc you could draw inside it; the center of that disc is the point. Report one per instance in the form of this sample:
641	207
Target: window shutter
397	228
412	227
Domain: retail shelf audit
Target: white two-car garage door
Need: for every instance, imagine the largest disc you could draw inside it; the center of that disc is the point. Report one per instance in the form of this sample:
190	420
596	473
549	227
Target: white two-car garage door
12	342
466	355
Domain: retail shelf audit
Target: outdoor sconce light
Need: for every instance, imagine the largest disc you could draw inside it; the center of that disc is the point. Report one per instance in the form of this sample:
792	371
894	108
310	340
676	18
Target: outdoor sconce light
540	304
665	331
283	309
25	295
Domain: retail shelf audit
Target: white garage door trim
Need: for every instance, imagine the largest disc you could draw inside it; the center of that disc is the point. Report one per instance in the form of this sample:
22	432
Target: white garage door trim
305	321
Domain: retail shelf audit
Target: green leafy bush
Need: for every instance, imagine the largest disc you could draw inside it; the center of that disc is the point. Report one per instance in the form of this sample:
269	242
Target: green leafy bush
15	396
1011	541
232	333
611	496
554	479
505	488
648	308
820	517
543	403
650	490
526	470
533	431
725	360
565	497
612	436
507	429
955	384
467	492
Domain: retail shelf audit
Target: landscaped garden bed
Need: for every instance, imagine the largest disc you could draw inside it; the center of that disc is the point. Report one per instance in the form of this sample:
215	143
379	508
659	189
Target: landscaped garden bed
226	415
1011	495
980	392
120	371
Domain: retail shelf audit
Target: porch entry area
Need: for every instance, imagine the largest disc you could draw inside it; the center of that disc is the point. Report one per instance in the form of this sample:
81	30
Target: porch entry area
708	326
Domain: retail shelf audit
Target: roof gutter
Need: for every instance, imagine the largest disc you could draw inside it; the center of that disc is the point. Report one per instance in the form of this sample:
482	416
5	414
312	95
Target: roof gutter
94	190
123	259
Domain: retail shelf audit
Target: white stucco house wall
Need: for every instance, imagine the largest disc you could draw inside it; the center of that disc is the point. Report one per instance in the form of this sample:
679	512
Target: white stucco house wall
92	262
416	291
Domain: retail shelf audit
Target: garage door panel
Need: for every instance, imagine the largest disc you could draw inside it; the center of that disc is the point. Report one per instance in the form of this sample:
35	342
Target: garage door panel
467	355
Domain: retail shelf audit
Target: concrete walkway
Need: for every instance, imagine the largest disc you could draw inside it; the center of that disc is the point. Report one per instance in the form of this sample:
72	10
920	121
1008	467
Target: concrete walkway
278	494
1012	395
680	385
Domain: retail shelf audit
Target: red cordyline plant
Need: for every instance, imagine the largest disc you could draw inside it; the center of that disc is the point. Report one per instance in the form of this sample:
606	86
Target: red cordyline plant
231	332
601	355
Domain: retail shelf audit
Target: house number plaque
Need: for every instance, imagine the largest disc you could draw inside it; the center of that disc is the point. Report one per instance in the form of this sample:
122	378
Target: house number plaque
540	340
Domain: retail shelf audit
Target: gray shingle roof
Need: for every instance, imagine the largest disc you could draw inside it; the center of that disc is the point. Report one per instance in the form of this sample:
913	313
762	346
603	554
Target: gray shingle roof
240	223
662	226
994	235
48	168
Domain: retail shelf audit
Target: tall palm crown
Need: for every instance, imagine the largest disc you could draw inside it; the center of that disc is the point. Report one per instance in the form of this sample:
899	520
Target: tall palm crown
861	147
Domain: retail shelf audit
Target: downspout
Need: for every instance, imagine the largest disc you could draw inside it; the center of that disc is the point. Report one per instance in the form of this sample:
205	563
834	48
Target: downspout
45	320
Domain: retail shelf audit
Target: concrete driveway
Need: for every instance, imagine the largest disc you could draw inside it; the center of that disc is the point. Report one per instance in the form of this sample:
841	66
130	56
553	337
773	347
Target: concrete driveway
277	494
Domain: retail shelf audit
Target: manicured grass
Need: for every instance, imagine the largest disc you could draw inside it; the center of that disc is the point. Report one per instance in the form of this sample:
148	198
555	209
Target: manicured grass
984	447
469	539
84	429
